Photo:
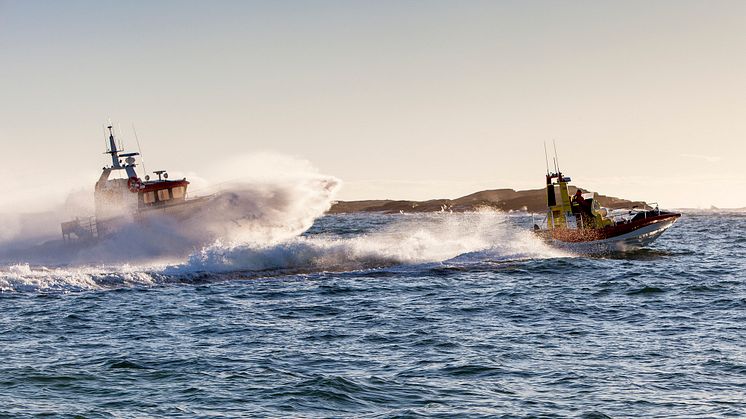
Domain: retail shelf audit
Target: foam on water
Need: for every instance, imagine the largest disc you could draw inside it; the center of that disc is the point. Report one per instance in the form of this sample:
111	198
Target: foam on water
255	226
453	239
242	213
421	238
24	278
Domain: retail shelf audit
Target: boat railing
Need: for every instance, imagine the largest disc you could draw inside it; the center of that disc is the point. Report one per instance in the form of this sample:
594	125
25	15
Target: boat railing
656	208
648	207
80	229
535	225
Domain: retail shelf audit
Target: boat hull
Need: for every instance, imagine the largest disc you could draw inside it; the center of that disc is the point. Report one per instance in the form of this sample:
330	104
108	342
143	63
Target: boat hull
621	238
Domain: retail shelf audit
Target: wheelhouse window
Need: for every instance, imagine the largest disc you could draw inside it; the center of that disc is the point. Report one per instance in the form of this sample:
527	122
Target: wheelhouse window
178	192
148	197
163	195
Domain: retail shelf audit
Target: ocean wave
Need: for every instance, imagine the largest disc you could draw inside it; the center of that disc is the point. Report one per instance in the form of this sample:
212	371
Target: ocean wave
25	278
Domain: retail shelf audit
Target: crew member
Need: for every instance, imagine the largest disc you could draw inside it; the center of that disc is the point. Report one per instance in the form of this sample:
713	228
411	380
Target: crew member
577	202
578	207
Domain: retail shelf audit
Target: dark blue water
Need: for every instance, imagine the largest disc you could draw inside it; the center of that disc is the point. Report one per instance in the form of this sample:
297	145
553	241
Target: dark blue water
369	316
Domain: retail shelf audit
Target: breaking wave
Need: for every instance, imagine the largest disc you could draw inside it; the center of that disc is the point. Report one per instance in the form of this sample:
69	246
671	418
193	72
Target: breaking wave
242	213
413	239
409	240
24	278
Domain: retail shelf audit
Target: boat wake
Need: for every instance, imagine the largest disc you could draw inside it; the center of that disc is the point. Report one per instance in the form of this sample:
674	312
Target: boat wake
412	242
412	239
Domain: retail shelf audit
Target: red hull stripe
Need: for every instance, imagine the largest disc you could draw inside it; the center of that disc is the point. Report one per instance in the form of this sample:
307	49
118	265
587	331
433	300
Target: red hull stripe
150	187
586	235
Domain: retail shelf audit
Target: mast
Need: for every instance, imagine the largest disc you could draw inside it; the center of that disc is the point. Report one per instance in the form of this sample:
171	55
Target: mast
113	150
116	164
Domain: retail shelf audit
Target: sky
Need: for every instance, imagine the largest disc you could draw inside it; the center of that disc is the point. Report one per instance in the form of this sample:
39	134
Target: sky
398	99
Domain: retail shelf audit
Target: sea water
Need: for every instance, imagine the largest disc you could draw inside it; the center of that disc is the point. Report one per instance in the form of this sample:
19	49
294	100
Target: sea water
433	315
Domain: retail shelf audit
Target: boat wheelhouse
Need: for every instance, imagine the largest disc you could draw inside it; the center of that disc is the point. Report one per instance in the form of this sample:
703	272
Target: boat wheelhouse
118	199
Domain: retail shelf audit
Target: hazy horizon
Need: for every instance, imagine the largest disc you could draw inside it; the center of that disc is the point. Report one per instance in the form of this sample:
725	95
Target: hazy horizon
399	100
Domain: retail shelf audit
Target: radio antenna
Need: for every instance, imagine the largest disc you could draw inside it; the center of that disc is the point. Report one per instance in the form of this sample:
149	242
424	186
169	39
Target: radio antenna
139	150
106	139
546	159
121	141
556	158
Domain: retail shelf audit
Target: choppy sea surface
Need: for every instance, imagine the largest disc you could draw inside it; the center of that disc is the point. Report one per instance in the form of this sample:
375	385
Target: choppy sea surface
439	315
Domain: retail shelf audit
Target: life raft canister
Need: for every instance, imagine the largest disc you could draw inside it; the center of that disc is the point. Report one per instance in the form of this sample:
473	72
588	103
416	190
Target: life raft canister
134	184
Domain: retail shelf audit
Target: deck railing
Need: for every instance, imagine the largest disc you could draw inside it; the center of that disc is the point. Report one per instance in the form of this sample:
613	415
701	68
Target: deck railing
80	229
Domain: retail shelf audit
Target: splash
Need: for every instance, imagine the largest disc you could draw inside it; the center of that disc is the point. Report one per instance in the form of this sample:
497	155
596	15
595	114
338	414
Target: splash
404	242
274	198
414	239
258	213
255	225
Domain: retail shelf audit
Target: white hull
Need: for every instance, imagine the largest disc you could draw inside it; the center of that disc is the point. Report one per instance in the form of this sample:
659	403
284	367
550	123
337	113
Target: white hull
625	242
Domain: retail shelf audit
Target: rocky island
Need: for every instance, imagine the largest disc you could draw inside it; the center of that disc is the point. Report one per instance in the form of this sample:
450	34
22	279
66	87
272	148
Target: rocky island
532	200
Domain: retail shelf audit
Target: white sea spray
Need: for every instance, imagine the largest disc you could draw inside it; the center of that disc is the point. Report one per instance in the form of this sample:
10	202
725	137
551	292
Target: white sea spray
253	223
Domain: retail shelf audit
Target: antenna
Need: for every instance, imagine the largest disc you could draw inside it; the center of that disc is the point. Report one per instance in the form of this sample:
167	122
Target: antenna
556	159
113	149
106	138
121	141
546	159
142	159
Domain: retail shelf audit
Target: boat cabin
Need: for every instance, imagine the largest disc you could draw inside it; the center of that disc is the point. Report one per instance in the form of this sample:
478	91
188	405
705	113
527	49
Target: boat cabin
115	197
559	211
162	192
560	208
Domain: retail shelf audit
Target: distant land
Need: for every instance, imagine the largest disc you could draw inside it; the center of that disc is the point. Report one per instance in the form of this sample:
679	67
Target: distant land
532	200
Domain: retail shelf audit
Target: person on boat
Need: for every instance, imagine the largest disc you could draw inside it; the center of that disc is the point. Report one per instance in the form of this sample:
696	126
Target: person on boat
577	202
579	208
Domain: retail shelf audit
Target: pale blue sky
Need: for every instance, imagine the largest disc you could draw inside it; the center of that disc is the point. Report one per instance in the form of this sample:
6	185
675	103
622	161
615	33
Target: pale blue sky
400	99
